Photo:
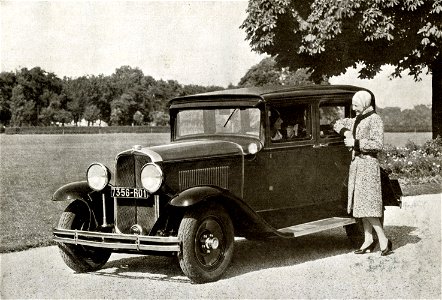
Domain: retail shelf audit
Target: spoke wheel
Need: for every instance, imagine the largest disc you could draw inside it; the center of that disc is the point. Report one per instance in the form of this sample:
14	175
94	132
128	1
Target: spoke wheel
207	243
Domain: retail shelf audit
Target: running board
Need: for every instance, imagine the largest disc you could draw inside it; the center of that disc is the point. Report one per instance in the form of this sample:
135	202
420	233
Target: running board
317	226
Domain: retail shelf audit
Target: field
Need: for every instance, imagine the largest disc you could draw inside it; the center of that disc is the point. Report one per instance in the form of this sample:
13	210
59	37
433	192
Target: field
399	139
34	166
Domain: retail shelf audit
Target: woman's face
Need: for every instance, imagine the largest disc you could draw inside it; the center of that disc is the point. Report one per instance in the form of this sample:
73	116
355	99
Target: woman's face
358	108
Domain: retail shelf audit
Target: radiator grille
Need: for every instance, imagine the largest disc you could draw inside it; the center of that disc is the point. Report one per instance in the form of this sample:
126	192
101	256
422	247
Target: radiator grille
129	211
218	176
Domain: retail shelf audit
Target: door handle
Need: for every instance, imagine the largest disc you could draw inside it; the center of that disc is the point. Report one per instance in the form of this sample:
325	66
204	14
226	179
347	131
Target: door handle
320	145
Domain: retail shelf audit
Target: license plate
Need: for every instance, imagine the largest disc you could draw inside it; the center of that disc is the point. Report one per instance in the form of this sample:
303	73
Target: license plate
127	192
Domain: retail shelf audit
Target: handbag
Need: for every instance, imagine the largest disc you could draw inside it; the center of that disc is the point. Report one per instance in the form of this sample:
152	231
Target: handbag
391	190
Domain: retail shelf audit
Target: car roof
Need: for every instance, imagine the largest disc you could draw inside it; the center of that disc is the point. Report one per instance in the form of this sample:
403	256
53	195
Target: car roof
254	95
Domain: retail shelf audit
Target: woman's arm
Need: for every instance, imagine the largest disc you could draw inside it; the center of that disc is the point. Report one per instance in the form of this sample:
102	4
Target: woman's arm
344	126
375	140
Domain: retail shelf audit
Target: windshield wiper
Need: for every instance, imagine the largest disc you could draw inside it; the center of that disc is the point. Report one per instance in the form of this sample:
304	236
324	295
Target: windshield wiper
231	115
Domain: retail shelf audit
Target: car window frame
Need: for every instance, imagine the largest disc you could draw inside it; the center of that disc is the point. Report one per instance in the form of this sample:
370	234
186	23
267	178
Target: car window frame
343	101
269	144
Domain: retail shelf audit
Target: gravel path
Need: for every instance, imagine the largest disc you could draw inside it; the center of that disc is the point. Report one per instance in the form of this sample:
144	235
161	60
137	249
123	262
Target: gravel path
315	266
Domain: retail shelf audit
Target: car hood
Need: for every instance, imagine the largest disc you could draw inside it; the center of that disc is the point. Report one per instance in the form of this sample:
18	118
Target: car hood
189	150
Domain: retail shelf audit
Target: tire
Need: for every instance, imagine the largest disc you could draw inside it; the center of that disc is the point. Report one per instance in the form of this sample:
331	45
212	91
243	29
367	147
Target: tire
77	257
207	243
355	233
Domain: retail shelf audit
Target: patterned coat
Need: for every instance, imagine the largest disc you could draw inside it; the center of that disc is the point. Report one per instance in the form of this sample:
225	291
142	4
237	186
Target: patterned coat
364	182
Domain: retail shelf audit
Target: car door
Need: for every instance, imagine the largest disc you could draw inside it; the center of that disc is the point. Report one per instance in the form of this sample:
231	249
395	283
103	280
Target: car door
332	157
289	168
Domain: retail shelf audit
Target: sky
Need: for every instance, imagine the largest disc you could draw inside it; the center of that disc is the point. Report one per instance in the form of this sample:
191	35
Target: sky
193	42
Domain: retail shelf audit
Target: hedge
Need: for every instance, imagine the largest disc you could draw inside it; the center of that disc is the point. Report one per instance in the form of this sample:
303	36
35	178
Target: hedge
83	130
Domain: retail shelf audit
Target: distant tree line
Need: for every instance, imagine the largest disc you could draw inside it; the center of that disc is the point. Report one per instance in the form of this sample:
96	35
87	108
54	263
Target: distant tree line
408	120
128	97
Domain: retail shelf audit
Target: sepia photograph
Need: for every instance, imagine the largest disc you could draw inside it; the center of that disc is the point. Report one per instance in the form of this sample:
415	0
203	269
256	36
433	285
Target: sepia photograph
220	149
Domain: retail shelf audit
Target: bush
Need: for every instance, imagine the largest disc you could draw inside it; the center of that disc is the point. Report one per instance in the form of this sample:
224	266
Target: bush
413	162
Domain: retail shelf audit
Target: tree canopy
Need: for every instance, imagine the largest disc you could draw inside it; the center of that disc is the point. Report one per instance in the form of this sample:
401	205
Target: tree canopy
38	98
328	36
266	72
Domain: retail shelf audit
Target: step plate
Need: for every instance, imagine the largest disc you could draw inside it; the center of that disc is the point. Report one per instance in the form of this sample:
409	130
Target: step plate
317	226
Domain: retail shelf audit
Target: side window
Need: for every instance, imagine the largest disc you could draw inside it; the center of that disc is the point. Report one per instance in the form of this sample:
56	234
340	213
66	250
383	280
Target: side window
290	123
328	113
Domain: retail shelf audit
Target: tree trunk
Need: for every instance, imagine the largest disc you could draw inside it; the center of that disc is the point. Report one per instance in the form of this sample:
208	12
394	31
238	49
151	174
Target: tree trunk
436	111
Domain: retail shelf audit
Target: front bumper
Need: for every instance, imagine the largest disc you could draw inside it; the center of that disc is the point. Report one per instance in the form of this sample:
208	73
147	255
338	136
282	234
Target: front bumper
117	240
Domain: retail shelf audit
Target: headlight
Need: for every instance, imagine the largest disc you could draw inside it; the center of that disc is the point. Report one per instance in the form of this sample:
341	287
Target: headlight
252	148
98	176
151	177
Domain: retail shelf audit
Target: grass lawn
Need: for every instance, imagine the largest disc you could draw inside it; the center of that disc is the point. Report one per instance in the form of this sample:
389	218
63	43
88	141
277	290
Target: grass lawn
33	167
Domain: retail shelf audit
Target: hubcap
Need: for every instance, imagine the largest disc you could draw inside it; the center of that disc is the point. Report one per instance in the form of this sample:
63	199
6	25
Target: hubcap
210	243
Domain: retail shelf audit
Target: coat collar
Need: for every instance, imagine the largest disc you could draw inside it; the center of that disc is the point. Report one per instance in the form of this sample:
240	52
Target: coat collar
365	114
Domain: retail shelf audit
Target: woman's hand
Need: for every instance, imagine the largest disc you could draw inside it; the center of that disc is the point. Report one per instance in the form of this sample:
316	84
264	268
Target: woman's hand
348	134
349	141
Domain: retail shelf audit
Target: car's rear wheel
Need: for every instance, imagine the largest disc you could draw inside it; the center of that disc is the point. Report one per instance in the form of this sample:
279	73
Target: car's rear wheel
355	233
77	257
207	243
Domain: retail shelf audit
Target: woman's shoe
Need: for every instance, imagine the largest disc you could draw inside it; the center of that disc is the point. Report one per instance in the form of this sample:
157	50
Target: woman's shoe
387	250
370	247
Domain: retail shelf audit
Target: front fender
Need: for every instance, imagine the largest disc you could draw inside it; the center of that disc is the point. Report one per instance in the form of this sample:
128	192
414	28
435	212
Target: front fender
72	191
195	195
246	221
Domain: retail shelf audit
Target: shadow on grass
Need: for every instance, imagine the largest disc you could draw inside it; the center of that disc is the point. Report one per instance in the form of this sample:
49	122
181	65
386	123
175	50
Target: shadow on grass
251	256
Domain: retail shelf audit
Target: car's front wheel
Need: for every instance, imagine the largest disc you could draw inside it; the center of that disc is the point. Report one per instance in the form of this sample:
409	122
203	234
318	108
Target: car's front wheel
207	243
77	257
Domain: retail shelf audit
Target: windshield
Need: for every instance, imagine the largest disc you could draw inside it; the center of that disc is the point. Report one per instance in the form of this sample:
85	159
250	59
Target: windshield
218	121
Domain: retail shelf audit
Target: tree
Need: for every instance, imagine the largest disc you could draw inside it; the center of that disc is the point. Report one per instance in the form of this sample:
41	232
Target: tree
159	118
262	74
267	72
22	109
63	116
7	83
159	94
329	36
123	110
138	118
91	114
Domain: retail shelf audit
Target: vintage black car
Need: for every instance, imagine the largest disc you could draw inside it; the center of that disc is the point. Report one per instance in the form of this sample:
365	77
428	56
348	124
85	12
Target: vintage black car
228	172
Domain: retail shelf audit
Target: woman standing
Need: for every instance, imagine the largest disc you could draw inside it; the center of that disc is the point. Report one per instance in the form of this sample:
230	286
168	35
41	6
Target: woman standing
364	135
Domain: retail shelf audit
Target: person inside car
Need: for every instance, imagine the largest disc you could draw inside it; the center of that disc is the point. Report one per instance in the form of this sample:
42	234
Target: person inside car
295	129
275	125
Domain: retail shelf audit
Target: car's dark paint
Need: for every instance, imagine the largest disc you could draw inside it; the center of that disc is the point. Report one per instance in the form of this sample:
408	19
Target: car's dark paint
223	171
196	194
254	96
197	150
72	191
244	218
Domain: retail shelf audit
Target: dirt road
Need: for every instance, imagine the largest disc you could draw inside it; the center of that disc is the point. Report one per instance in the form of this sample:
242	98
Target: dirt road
316	266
